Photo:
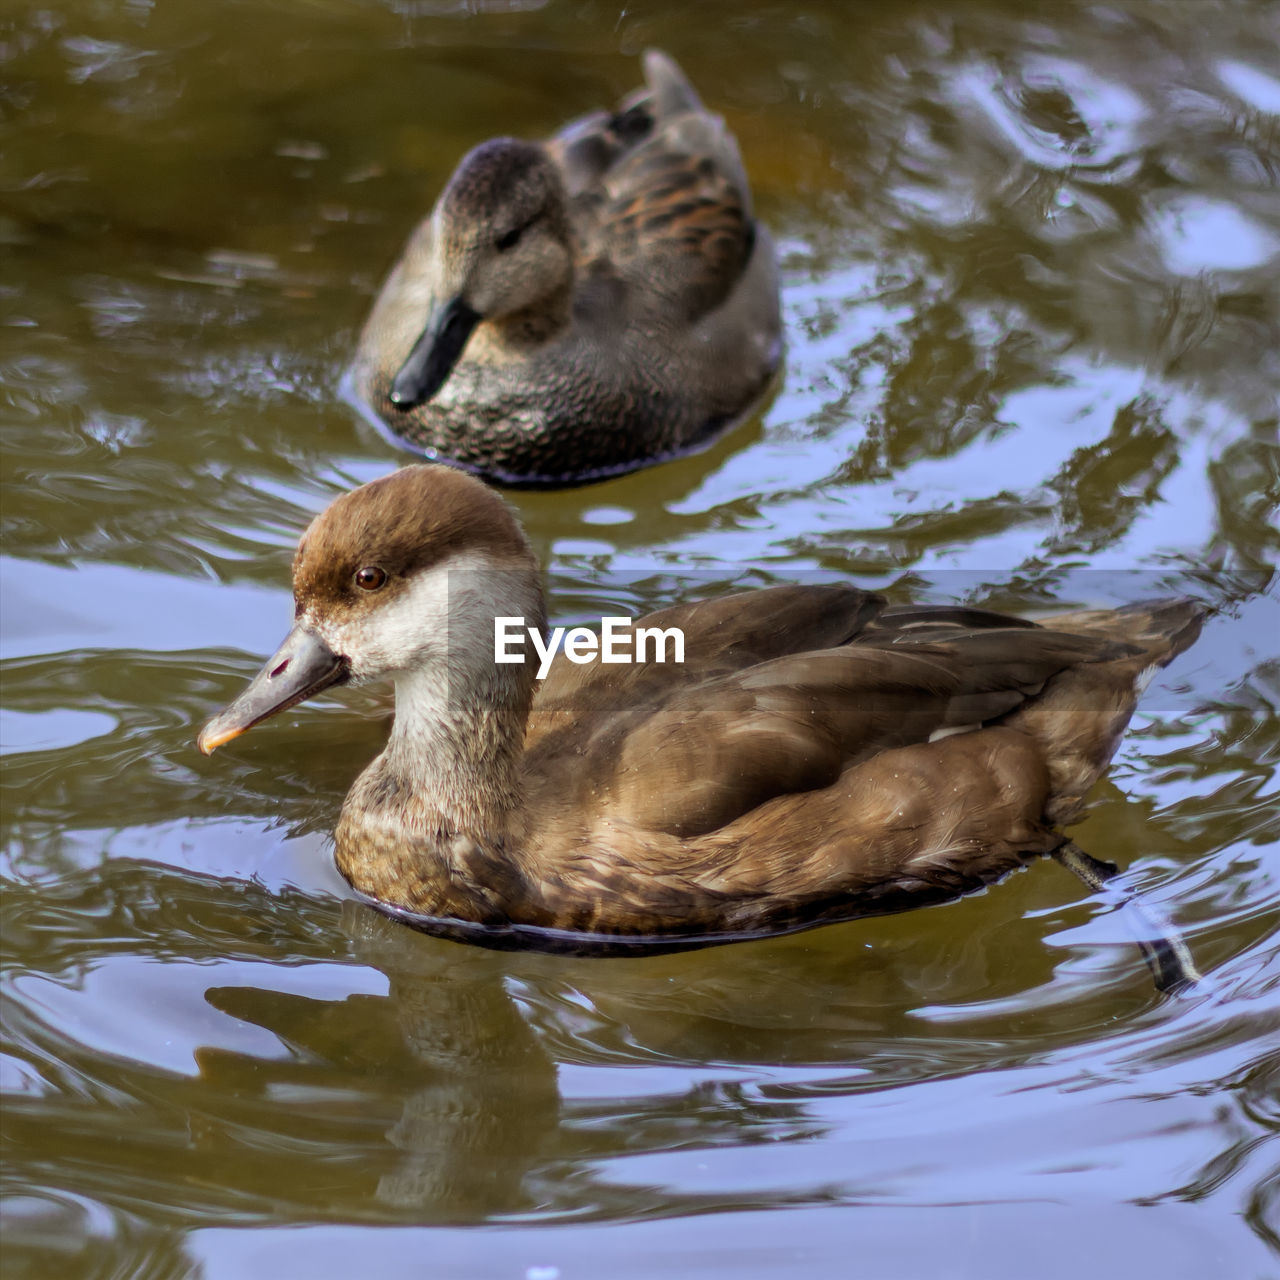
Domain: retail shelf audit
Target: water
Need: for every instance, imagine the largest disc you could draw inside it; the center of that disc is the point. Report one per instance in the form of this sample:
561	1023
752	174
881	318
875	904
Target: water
1032	263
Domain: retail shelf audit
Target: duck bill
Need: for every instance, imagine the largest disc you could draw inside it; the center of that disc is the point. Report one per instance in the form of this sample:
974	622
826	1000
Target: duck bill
434	354
299	668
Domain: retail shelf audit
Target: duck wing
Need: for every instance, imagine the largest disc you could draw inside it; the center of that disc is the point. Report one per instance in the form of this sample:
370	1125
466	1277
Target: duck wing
708	755
658	195
720	636
761	714
743	629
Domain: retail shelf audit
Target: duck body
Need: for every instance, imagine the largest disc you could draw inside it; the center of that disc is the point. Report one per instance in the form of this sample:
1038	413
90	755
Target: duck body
582	307
817	755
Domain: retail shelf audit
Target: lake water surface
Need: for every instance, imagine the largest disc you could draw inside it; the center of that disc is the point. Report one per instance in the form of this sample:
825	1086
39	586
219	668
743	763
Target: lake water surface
1031	259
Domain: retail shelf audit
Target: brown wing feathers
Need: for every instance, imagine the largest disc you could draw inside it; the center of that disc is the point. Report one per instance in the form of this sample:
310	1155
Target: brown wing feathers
682	222
768	777
685	748
706	755
657	188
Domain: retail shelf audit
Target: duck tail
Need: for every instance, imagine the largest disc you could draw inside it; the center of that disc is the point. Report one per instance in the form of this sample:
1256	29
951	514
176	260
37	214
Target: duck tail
1159	629
673	95
1079	718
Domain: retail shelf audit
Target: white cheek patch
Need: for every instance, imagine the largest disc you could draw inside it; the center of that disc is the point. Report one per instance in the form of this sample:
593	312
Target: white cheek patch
413	620
400	632
442	615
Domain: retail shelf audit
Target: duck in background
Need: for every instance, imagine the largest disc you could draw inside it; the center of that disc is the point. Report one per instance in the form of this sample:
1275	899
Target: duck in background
818	755
579	308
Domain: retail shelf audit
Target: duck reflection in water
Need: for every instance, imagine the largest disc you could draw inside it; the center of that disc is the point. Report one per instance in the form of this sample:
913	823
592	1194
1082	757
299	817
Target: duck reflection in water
475	1088
441	1099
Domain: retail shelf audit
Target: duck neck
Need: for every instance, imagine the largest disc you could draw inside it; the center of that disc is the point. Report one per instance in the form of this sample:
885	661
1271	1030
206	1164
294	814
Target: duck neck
451	766
456	757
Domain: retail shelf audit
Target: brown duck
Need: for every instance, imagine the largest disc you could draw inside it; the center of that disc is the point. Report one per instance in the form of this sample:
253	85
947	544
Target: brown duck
581	307
818	755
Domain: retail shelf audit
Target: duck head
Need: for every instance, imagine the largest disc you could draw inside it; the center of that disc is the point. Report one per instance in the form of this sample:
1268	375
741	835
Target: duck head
402	579
501	248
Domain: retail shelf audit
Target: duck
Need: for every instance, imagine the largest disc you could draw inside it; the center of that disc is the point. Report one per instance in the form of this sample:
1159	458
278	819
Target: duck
808	753
578	308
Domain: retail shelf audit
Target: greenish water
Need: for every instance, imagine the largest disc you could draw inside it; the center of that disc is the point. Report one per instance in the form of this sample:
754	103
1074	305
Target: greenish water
1031	259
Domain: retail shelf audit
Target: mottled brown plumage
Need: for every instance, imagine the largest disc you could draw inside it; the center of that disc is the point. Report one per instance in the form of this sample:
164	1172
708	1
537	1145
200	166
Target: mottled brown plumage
818	755
580	307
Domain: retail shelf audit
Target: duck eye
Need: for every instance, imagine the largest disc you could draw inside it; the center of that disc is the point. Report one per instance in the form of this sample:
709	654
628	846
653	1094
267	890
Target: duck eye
508	241
370	578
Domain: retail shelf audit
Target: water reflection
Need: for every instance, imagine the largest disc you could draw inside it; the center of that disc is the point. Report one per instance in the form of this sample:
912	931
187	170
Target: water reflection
288	1062
478	1099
